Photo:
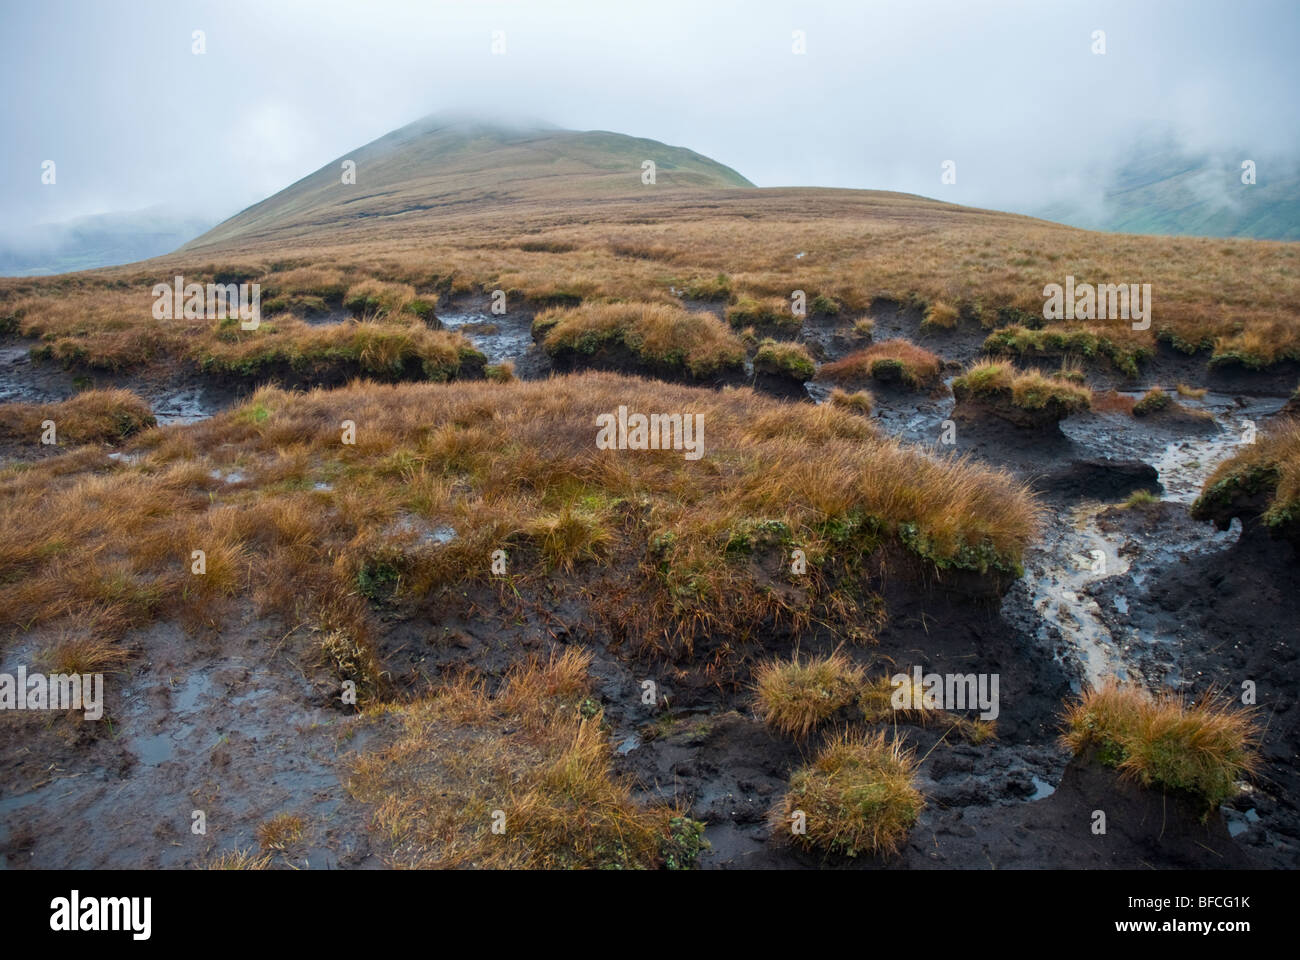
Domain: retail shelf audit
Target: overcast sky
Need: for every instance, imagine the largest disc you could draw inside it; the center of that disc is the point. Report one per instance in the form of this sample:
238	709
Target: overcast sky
1009	90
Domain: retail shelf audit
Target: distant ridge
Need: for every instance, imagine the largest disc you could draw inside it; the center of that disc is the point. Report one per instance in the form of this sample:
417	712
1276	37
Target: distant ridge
1176	193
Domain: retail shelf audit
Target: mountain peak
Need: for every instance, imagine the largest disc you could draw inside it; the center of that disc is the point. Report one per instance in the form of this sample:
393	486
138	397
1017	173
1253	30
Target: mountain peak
445	161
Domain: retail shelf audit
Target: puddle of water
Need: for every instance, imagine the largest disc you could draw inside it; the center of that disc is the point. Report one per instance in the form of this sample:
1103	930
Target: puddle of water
1078	553
1239	822
186	696
425	535
628	745
1058	590
186	406
511	341
1185	465
1041	788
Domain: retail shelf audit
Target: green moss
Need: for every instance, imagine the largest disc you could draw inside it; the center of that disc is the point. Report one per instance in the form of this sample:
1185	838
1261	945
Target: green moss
420	308
1250	482
684	843
752	534
378	579
980	558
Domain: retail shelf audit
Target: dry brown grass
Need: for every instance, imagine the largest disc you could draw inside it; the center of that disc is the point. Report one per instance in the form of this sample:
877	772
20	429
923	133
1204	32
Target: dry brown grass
1112	401
561	239
281	831
859	797
876	703
1026	389
239	860
764	313
1202	748
314	530
793	697
663	338
859	401
522	780
86	327
85	654
92	416
374	298
940	315
1121	345
405	350
891	361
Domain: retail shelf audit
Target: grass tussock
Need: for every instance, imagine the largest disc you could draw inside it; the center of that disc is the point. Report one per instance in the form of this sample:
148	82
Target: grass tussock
790	360
1159	401
891	361
1141	498
1202	748
793	697
662	338
85	653
1261	480
92	416
1112	401
876	704
281	831
520	780
859	401
858	797
378	300
500	372
1154	400
1028	390
772	314
940	316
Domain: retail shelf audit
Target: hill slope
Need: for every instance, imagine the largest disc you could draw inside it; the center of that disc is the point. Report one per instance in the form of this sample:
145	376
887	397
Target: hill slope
438	163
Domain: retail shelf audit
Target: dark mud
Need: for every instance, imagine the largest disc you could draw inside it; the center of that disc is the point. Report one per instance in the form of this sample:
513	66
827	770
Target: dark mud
238	726
174	396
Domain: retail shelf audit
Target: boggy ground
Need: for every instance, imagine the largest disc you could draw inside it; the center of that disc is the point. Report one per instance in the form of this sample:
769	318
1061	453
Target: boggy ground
243	721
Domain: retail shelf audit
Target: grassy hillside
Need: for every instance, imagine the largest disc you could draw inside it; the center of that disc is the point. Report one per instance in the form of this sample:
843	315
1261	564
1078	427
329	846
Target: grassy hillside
437	164
556	218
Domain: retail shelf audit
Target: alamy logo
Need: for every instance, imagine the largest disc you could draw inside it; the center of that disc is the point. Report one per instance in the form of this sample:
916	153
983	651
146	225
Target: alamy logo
1106	301
949	691
216	301
658	431
59	691
74	913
